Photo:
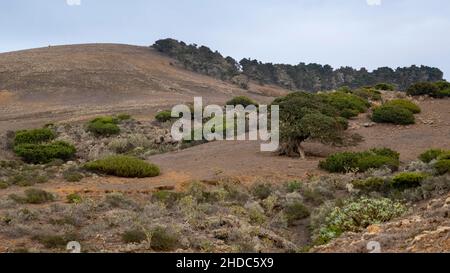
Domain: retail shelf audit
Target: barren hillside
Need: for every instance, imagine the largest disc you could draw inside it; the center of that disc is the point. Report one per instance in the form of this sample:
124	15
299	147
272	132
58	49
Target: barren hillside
61	82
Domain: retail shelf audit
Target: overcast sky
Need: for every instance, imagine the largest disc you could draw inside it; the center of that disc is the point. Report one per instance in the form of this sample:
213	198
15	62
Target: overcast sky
358	33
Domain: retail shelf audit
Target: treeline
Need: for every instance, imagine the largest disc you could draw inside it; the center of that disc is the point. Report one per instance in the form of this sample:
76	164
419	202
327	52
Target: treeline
308	77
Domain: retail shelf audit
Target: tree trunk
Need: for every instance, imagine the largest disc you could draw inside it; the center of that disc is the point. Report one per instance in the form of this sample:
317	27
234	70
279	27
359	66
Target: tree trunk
301	151
292	149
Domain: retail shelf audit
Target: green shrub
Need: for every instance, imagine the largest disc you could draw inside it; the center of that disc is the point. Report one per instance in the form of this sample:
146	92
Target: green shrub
45	153
422	88
262	190
373	184
241	100
296	211
349	105
441	94
368	94
134	236
356	215
392	114
123	166
293	186
430	155
407	104
72	175
56	241
408	180
168	198
34	196
164	116
123	116
163	239
104	126
3	185
444	156
74	198
385	87
442	166
360	161
35	136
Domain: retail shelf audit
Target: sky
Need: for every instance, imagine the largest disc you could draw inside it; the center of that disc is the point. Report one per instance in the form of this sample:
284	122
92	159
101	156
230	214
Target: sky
358	33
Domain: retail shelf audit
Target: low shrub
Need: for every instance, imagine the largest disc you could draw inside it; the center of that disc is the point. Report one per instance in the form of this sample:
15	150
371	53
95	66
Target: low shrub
33	196
45	153
408	180
164	116
3	185
430	155
72	175
134	236
241	100
56	241
356	215
123	117
385	87
422	88
360	161
74	198
373	184
293	186
296	211
407	104
368	94
442	166
163	239
440	94
349	105
168	198
393	114
123	166
104	126
262	190
35	136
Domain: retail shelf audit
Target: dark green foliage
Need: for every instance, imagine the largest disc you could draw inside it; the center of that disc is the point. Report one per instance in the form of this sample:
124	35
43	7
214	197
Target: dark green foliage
408	180
356	215
407	104
199	59
134	236
35	136
422	88
34	196
385	87
442	166
296	211
123	166
45	153
430	155
307	116
262	191
293	186
241	100
163	239
393	114
164	116
441	94
360	161
104	126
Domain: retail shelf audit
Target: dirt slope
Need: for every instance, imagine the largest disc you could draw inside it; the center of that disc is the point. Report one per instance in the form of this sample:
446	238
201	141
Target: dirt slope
64	82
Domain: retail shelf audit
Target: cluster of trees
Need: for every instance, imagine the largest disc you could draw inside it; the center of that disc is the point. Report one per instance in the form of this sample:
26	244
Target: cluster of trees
316	77
307	77
199	59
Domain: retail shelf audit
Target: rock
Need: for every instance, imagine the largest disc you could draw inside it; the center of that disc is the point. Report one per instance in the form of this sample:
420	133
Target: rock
369	124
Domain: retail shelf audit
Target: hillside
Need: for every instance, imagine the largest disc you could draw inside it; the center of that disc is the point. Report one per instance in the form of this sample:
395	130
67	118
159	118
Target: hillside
62	82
